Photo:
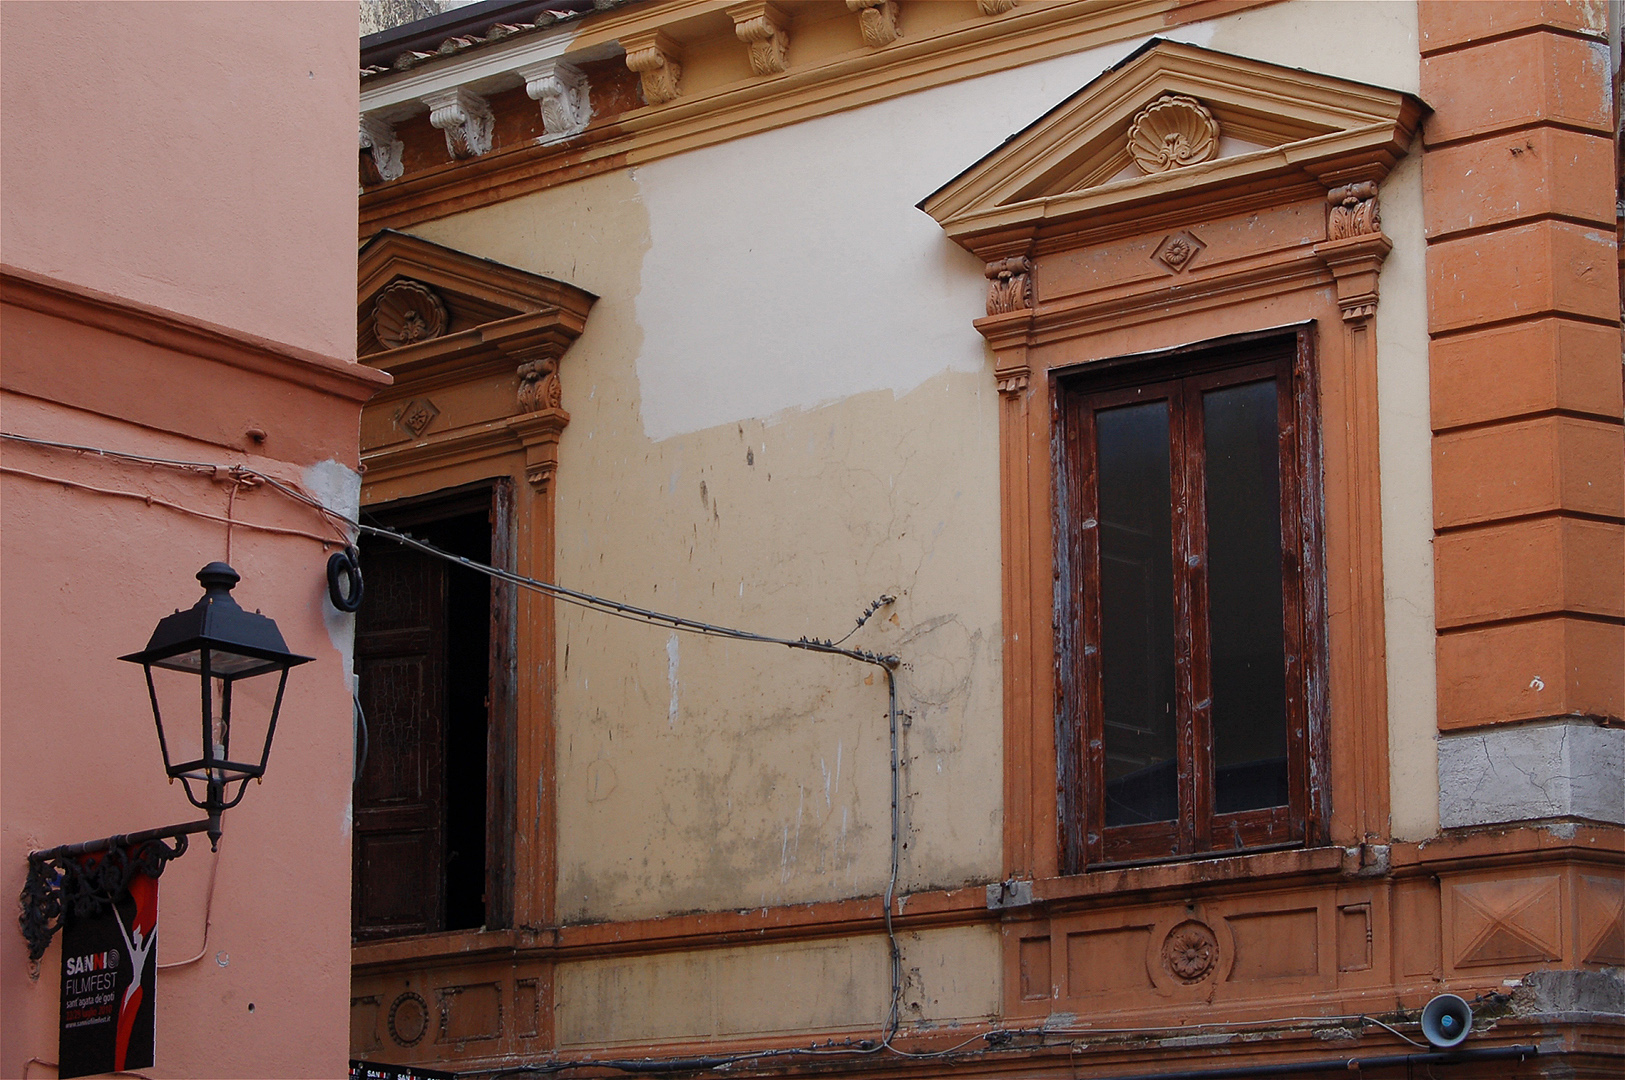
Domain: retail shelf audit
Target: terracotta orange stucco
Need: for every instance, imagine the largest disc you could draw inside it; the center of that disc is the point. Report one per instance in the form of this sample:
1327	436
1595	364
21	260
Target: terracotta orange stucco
1523	306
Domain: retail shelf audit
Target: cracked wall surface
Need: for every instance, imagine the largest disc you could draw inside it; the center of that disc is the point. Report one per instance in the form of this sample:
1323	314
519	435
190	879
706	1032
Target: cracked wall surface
1562	769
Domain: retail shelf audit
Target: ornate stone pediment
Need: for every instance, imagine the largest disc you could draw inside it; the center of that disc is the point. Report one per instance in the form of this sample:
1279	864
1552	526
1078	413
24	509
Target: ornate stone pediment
417	300
1174	124
446	322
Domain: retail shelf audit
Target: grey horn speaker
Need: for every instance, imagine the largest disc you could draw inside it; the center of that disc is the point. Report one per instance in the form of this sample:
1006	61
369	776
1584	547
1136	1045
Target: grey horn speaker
1446	1021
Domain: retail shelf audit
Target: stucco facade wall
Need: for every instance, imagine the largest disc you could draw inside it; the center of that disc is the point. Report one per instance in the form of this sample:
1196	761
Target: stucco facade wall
178	209
780	410
188	156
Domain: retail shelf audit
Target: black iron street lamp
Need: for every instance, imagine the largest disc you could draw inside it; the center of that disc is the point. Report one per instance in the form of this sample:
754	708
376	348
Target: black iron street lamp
215	657
215	647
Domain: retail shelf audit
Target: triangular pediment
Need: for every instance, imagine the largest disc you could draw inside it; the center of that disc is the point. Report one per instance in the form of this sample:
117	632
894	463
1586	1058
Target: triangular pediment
1177	120
430	297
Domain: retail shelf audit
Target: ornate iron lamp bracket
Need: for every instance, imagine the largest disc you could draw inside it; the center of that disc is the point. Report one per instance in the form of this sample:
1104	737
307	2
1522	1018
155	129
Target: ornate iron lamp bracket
60	880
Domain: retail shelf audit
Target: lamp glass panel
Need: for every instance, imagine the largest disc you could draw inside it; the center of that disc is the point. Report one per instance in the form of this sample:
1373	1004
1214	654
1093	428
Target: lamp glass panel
221	661
180	705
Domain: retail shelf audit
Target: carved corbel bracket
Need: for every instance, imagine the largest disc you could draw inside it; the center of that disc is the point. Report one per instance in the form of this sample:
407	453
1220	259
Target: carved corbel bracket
382	148
1354	211
762	26
657	60
561	91
538	432
878	20
994	7
1355	263
1009	285
466	119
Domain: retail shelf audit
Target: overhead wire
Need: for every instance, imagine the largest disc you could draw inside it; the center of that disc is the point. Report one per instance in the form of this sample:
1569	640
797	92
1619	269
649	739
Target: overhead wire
347	529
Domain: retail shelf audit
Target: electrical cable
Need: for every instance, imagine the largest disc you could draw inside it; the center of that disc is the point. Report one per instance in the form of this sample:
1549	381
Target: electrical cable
886	662
208	917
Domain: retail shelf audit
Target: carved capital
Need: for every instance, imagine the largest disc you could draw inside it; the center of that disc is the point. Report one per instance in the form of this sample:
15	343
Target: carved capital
466	119
561	91
539	384
878	20
656	59
538	433
994	7
1172	132
381	147
1353	212
1355	263
1010	285
761	26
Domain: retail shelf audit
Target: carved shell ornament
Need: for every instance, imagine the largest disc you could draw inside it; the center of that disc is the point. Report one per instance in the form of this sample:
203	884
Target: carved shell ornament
1172	132
408	312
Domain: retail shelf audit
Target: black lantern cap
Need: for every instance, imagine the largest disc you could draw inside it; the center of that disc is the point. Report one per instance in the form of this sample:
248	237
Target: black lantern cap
240	644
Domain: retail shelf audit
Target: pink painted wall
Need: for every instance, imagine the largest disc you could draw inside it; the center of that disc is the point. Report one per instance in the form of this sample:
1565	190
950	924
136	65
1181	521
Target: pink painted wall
196	156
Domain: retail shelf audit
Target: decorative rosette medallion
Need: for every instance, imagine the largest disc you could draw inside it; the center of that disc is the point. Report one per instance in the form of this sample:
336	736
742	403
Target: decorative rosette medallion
408	312
1190	951
1172	132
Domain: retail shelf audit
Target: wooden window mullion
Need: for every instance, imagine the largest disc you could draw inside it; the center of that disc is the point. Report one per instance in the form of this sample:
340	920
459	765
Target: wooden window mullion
1198	706
1186	607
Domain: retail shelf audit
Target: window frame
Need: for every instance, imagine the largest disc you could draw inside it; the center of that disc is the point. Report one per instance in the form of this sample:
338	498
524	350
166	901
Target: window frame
1180	376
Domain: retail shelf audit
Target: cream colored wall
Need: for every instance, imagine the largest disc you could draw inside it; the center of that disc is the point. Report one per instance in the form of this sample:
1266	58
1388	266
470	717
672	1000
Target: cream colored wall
810	987
780	410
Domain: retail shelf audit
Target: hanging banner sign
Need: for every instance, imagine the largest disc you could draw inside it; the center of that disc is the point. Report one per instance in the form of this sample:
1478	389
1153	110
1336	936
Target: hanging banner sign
109	983
374	1070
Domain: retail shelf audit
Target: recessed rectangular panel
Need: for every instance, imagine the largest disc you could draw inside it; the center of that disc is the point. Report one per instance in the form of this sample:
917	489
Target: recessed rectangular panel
396	866
1276	944
1035	978
1137	613
1098	961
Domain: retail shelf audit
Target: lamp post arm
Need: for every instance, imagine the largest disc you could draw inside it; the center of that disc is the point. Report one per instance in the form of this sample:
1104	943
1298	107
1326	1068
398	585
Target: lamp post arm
61	880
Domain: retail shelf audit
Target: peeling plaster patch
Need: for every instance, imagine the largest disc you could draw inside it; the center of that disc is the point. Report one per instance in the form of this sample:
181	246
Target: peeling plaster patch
671	677
1566	768
788	346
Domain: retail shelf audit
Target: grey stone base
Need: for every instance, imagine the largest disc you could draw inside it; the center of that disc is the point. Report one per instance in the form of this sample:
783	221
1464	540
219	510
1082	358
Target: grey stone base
1532	772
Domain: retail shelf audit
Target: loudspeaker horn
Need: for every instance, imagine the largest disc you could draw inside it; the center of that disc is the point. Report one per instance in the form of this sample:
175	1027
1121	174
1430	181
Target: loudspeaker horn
1446	1021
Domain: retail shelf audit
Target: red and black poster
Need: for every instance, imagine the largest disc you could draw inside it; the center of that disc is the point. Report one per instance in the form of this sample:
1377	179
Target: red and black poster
109	979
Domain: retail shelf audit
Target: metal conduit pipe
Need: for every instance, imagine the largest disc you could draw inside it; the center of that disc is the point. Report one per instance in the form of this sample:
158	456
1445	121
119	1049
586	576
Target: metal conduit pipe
1294	1068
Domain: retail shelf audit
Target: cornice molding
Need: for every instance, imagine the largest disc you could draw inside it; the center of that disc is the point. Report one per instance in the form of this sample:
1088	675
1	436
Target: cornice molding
816	86
183	334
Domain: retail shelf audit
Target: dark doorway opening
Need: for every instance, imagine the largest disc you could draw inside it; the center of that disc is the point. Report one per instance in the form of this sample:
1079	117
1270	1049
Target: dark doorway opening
429	665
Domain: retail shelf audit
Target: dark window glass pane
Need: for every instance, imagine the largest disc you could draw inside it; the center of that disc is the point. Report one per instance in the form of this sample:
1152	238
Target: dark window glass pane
1137	613
1244	597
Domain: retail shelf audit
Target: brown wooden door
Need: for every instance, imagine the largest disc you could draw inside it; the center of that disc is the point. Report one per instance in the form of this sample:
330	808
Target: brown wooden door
399	882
